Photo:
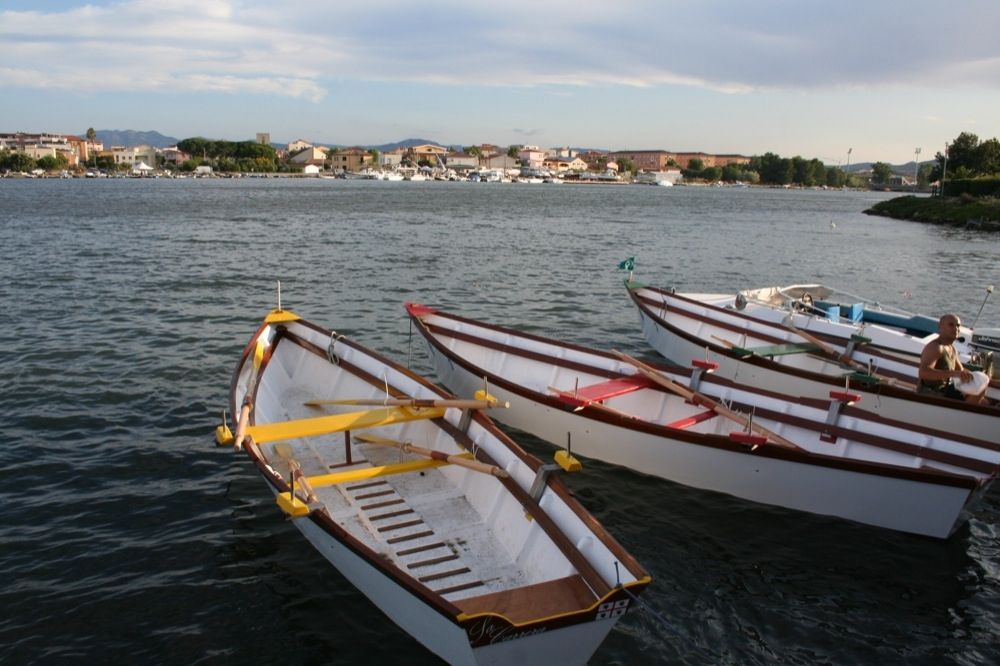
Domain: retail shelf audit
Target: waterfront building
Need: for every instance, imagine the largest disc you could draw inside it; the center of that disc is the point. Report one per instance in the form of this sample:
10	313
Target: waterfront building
349	159
564	164
308	155
297	145
531	156
133	155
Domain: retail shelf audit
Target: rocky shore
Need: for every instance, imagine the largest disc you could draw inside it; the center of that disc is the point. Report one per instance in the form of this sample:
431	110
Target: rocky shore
963	211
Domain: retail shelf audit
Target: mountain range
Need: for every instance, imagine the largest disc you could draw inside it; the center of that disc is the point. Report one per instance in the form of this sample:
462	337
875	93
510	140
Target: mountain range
129	138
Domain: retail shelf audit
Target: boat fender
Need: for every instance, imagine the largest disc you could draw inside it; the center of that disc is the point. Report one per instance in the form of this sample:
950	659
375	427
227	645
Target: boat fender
741	301
223	435
568	461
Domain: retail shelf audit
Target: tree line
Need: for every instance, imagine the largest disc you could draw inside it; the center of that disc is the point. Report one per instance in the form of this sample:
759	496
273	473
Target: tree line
968	157
773	169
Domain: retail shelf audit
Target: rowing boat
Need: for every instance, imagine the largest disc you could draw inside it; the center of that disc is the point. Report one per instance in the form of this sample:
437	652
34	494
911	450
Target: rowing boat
783	357
465	541
825	456
862	326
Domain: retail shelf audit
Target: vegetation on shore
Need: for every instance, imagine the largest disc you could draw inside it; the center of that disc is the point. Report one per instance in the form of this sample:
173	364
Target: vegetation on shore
961	210
968	169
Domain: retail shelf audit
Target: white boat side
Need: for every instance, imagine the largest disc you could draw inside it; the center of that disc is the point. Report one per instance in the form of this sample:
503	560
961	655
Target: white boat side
687	327
468	562
875	471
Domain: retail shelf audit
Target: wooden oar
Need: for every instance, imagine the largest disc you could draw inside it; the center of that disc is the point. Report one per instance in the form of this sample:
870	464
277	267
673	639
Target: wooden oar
412	402
474	465
284	452
704	401
241	426
846	360
725	343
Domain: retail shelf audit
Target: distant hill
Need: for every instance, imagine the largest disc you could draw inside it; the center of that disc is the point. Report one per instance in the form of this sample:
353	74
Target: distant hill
386	147
129	138
898	169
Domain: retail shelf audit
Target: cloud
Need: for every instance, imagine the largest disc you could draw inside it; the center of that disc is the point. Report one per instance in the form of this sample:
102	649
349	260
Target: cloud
301	49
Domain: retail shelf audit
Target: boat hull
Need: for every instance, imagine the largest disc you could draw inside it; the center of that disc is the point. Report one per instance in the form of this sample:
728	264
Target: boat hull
683	339
460	555
691	427
906	505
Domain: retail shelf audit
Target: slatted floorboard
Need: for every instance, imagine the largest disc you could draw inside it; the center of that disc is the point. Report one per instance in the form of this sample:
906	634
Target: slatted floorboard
419	520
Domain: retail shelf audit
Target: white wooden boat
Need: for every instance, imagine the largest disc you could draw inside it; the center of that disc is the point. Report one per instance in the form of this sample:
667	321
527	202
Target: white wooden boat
791	360
453	531
824	456
841	317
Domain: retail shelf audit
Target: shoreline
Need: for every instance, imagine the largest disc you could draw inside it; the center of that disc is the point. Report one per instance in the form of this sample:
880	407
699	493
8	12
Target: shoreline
964	211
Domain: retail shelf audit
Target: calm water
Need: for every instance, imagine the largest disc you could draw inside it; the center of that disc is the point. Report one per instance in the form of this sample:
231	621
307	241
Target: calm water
127	537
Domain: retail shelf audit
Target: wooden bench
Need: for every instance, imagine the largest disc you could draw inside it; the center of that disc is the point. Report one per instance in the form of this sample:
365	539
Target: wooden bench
602	391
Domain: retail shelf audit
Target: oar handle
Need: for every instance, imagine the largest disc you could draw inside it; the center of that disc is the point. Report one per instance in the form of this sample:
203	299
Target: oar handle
296	469
241	426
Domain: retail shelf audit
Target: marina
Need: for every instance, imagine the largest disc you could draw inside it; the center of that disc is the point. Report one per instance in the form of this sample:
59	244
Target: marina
131	536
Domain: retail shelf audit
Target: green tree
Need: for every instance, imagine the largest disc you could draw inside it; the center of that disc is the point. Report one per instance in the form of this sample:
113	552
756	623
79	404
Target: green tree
695	164
773	169
988	157
17	161
835	177
513	150
51	163
91	138
627	165
818	172
924	175
802	172
881	173
711	174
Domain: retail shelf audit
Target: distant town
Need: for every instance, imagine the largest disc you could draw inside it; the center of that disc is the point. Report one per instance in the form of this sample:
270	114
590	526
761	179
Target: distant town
61	155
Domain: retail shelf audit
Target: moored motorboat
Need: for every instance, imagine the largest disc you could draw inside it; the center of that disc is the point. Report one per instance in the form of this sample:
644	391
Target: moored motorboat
460	537
823	456
786	358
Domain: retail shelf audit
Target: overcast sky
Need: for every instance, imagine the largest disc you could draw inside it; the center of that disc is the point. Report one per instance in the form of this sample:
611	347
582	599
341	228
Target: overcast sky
801	77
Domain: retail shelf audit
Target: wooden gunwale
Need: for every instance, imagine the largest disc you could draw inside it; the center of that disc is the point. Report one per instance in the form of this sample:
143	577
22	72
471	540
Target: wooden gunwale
715	441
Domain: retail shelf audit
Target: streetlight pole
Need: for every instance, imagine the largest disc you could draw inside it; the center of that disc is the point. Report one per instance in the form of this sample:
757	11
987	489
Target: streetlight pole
944	170
847	169
916	164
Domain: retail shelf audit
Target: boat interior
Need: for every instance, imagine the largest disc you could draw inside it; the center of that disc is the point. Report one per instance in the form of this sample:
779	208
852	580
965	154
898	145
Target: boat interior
455	530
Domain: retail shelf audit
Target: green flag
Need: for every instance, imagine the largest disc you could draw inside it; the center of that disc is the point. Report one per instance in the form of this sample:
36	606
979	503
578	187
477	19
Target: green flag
628	264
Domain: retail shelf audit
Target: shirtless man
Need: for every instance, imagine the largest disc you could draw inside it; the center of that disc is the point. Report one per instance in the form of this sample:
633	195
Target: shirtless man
939	363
